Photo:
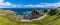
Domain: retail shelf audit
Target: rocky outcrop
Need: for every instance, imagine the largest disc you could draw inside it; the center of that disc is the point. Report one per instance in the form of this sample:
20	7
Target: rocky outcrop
10	14
35	14
7	12
47	10
53	12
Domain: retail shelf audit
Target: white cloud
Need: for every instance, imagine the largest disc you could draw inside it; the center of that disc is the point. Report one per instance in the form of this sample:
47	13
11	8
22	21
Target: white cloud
1	1
6	4
44	5
52	4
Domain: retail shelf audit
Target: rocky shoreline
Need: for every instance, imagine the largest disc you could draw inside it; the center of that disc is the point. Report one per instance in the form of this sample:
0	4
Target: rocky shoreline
12	15
33	15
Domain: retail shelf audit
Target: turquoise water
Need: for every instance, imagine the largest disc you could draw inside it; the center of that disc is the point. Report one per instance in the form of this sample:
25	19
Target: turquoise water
22	10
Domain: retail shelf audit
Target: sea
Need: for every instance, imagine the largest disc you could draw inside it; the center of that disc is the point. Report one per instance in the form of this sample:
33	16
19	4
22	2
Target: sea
23	10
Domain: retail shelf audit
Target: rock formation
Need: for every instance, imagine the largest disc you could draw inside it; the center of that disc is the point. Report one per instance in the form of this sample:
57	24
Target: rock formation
35	14
47	10
10	14
7	12
53	12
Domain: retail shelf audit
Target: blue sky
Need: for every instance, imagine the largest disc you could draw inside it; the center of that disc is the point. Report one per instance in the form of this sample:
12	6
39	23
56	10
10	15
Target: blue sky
32	1
29	3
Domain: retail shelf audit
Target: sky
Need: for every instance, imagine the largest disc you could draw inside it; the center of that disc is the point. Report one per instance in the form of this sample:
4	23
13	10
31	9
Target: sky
29	3
32	1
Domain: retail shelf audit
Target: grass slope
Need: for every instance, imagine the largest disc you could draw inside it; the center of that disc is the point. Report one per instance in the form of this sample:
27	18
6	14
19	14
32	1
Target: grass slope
48	20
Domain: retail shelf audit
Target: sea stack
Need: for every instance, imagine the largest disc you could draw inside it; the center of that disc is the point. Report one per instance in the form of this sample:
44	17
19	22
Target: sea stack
35	14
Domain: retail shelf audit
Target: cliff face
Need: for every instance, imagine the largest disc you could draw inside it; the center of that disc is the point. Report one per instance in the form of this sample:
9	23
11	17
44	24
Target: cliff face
35	14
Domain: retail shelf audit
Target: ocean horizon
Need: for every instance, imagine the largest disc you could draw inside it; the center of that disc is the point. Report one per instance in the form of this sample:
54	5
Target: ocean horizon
22	10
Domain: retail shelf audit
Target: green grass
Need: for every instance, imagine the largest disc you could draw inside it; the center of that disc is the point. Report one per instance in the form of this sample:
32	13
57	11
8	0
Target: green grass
48	20
4	20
